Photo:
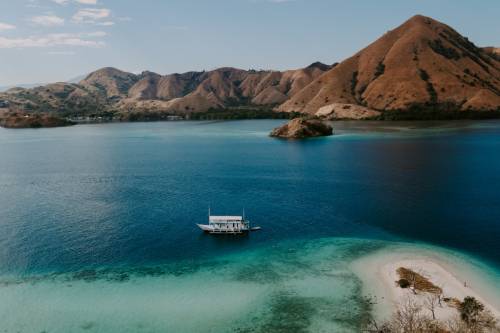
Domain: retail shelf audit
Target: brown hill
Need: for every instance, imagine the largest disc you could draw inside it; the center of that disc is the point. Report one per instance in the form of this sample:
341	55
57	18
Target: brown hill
421	64
110	89
188	92
154	86
56	97
109	82
492	51
276	87
217	89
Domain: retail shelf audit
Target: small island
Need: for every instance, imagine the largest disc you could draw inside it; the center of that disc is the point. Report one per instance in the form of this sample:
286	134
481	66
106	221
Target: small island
301	128
35	120
435	292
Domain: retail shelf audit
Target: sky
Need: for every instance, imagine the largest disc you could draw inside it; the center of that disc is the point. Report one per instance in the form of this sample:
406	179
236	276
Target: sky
44	41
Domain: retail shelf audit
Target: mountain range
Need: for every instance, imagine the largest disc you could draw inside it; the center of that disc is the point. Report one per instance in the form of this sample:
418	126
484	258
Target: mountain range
111	90
422	65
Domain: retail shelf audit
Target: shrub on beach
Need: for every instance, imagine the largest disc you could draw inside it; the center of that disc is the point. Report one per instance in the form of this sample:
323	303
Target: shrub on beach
417	281
470	309
475	317
403	283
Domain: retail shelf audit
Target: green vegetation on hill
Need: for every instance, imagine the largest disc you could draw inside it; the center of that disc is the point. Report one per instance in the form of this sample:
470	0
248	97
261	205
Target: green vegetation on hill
425	112
213	114
241	113
35	120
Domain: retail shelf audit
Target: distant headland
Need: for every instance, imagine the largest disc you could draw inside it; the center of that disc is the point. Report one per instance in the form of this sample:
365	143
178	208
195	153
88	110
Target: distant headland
36	120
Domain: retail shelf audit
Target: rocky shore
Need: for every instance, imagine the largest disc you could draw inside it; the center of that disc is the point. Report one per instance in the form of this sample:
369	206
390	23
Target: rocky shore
39	120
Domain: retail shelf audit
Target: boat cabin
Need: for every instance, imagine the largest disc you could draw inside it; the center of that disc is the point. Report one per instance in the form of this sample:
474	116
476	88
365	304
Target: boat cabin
228	224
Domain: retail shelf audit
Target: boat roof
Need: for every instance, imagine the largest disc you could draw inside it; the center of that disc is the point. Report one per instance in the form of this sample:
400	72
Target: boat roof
225	218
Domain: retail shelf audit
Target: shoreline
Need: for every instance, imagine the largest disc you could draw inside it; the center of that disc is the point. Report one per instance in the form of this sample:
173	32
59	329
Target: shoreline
75	121
458	276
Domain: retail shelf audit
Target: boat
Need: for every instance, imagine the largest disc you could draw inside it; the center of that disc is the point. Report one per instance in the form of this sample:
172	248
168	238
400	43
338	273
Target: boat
227	224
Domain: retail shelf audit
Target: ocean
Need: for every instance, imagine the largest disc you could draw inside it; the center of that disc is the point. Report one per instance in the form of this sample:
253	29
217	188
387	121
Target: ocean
98	221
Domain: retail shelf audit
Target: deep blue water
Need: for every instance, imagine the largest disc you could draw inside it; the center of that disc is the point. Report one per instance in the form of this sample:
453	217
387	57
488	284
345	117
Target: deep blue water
130	194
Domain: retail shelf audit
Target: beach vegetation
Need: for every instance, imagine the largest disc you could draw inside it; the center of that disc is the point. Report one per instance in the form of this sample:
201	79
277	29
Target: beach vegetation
409	317
475	317
452	301
403	283
431	302
417	281
470	309
440	296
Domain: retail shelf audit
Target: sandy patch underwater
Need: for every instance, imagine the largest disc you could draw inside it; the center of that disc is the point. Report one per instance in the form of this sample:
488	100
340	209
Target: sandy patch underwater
306	286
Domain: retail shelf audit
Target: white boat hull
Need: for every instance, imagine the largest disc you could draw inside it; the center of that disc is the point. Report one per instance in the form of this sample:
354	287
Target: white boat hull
211	229
206	227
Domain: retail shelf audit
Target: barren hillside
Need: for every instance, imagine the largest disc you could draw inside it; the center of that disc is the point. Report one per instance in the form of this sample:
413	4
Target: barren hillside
423	63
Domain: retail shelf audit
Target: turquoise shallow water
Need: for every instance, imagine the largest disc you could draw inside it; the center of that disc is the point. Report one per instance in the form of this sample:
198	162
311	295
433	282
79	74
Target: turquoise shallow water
98	221
293	286
289	287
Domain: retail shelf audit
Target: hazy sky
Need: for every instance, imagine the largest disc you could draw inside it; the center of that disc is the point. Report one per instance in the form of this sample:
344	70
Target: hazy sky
53	40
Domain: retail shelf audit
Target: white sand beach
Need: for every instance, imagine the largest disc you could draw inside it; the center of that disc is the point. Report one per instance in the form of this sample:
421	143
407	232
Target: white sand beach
456	277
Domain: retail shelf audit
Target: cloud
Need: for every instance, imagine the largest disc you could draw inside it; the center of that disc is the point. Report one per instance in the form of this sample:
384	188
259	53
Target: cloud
124	18
91	15
47	20
83	2
106	24
273	1
87	2
94	34
62	53
177	27
50	40
5	26
32	4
